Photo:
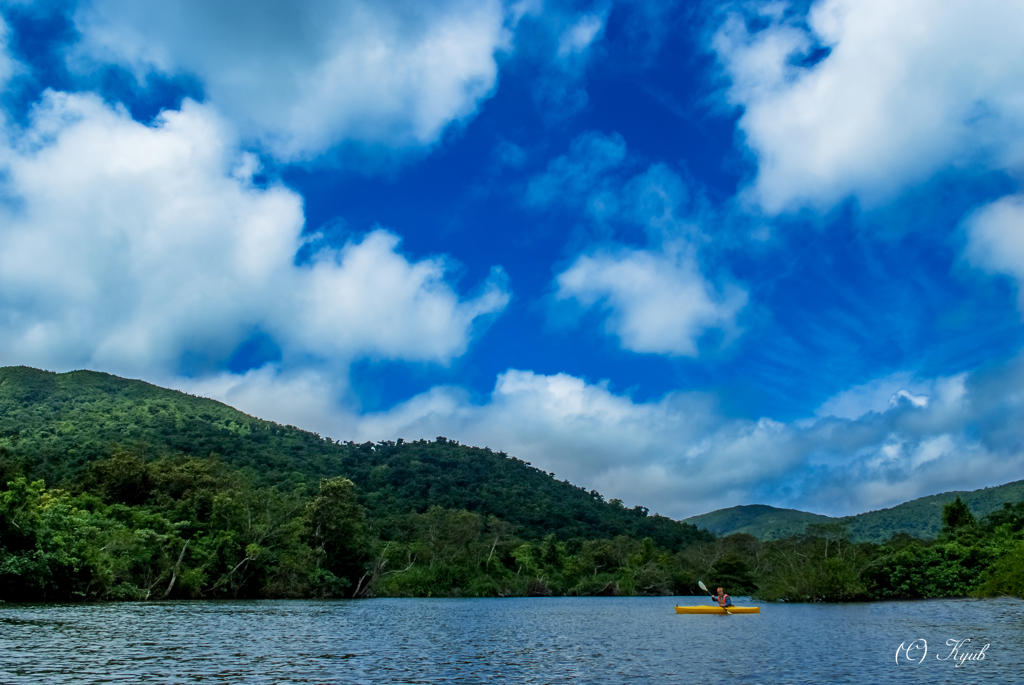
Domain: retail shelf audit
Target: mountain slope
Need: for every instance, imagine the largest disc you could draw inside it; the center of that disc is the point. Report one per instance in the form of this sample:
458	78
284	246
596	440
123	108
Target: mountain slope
52	426
760	520
921	517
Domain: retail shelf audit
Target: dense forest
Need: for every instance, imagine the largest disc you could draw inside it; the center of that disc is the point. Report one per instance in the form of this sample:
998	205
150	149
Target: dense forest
53	426
118	490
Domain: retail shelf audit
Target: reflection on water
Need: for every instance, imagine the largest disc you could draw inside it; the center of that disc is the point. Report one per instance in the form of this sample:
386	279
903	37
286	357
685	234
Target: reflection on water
544	640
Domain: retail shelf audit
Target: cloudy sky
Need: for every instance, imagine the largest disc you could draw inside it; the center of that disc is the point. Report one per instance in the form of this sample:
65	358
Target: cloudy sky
692	255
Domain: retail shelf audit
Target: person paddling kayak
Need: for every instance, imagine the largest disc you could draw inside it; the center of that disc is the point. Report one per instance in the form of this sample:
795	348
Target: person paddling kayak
723	599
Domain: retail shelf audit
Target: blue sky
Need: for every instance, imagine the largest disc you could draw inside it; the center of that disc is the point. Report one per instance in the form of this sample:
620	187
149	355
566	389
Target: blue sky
693	255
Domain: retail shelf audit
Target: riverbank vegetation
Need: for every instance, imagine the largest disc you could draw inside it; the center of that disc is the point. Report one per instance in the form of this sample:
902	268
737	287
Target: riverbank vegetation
183	527
119	490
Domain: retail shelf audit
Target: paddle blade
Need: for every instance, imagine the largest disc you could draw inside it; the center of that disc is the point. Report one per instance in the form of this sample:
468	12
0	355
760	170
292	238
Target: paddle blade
702	586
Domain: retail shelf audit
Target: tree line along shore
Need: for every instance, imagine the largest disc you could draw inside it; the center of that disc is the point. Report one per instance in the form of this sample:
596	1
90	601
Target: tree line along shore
113	489
188	528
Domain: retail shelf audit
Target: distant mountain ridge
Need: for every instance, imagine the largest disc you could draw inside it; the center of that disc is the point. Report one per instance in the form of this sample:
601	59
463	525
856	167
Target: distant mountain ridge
760	520
921	517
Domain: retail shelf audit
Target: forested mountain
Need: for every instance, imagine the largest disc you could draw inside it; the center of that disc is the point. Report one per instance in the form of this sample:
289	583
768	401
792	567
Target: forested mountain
52	426
760	520
920	518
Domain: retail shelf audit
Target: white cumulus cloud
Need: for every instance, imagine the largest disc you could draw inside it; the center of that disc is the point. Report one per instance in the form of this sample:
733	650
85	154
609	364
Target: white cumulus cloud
907	89
657	300
303	77
996	238
126	247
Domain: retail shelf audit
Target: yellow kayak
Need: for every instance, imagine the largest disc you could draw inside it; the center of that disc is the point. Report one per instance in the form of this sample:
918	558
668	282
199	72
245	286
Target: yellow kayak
704	609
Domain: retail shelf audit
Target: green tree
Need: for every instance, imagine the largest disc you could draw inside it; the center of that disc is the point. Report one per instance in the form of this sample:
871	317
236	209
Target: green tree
336	528
956	516
1006	575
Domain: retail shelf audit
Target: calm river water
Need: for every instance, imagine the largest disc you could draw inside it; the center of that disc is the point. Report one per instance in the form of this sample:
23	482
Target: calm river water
545	640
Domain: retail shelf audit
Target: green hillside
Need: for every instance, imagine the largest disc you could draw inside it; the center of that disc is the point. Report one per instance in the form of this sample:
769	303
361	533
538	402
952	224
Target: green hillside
920	518
52	426
759	520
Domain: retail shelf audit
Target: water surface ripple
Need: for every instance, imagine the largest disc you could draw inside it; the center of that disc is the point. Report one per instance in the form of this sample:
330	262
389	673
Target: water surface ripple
544	640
